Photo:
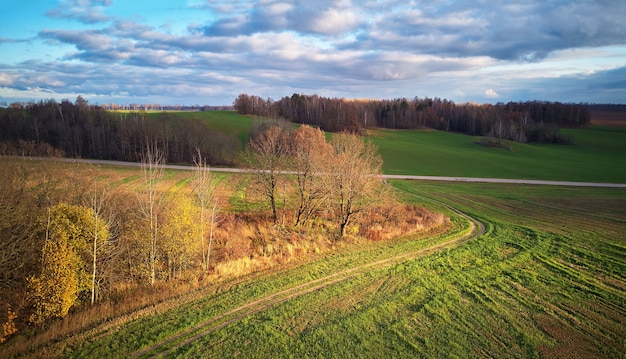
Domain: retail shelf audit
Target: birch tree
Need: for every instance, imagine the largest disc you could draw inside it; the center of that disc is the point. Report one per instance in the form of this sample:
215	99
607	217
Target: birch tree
178	236
152	166
64	268
101	246
206	192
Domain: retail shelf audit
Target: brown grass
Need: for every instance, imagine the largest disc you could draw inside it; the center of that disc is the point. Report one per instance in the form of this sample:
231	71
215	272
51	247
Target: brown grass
245	242
609	118
571	343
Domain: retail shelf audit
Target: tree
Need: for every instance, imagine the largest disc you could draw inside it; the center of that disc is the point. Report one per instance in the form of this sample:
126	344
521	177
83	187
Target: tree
179	231
243	104
16	222
353	183
152	162
266	156
206	192
101	246
64	272
310	156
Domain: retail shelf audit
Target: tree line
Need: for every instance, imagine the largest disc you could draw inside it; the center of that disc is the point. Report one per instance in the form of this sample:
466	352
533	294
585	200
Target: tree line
79	129
530	121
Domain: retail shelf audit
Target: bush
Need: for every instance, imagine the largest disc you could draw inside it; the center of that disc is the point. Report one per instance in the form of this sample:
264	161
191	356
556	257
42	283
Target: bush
548	133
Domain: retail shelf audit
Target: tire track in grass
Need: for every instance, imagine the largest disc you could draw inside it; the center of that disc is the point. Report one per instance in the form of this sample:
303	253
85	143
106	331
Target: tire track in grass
176	341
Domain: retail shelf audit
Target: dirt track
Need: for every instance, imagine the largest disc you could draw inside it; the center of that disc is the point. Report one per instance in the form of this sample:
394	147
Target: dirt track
191	334
176	341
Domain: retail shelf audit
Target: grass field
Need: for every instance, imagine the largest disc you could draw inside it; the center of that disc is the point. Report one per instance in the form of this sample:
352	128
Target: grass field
596	156
548	279
229	122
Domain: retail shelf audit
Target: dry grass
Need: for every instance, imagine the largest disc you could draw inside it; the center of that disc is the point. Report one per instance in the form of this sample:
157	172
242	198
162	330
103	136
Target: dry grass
609	118
245	242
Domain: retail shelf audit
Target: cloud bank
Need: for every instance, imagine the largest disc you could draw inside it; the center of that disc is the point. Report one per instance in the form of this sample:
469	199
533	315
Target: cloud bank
465	50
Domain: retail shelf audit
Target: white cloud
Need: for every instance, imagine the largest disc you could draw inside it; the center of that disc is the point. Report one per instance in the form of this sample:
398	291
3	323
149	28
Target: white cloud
382	48
491	93
334	20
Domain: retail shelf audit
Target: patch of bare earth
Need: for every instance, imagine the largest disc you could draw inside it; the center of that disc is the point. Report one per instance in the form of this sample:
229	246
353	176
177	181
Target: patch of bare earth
571	343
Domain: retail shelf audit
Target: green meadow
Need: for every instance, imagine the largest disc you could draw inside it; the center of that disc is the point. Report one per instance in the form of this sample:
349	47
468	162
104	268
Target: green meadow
547	279
229	122
597	155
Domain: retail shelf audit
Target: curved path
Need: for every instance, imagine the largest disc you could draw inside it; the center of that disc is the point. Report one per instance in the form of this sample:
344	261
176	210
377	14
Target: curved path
477	228
384	176
173	343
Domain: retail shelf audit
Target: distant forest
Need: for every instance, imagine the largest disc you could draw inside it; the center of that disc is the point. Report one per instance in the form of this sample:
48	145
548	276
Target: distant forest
66	129
534	121
79	129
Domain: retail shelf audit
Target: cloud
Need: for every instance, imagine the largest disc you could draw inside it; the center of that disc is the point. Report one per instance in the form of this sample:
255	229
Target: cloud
86	11
372	48
320	17
83	40
522	32
491	93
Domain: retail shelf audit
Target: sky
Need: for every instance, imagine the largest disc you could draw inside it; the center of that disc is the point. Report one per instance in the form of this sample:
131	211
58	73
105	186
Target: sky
207	52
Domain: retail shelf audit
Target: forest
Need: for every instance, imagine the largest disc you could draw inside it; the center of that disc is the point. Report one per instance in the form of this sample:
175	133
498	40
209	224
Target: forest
81	130
534	121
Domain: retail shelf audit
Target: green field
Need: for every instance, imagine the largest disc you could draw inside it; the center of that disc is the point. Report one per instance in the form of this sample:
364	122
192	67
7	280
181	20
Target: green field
229	122
547	279
597	156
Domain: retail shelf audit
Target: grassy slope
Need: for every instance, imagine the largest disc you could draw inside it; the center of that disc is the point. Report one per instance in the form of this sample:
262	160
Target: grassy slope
597	156
228	122
547	279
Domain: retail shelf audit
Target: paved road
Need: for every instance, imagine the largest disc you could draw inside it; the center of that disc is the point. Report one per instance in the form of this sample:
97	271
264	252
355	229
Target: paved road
406	177
507	180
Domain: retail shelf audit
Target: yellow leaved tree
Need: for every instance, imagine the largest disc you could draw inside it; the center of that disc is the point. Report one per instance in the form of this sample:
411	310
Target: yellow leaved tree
65	259
179	233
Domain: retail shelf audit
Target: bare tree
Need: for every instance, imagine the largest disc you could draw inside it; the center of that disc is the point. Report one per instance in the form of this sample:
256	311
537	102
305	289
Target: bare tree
101	248
206	192
353	182
310	156
499	129
16	223
266	156
152	161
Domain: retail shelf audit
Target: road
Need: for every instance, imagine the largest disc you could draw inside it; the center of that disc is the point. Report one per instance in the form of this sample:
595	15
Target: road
384	176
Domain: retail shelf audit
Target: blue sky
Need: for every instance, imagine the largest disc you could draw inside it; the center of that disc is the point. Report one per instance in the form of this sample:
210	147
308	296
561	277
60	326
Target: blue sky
209	51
